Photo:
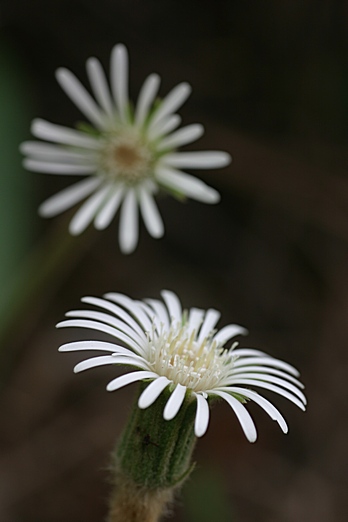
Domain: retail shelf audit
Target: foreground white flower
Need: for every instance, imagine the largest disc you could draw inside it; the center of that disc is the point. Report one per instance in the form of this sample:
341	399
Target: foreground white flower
127	153
182	351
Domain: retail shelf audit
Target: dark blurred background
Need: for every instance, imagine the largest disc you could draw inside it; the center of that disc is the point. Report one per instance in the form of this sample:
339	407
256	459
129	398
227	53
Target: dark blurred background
270	84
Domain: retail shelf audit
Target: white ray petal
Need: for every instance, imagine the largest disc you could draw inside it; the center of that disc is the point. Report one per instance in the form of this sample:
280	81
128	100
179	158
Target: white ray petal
195	319
77	346
206	159
111	359
242	414
246	352
152	392
146	97
228	332
266	370
185	183
119	382
267	406
119	78
182	137
211	318
49	167
173	304
80	97
202	416
151	216
160	311
56	153
264	359
116	310
109	209
59	134
170	103
163	127
129	226
94	325
255	377
174	402
85	215
132	306
99	85
68	197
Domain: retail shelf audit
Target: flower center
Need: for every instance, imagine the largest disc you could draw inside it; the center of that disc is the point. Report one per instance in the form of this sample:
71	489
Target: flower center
126	157
179	356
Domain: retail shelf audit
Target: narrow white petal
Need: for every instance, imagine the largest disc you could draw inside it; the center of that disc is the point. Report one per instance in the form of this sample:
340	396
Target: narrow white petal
77	346
246	352
266	370
84	216
202	416
119	78
182	137
80	97
170	103
129	226
68	197
109	209
211	318
116	310
99	85
150	213
94	325
160	311
263	359
188	185
207	159
103	360
146	97
152	392
173	304
119	382
174	402
267	406
56	153
164	127
58	168
228	332
242	414
195	319
59	134
132	306
255	377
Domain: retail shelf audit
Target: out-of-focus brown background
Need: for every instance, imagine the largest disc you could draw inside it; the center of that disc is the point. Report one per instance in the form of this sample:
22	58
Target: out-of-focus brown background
270	84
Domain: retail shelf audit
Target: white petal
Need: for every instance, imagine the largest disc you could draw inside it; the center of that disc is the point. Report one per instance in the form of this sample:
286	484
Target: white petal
173	304
77	346
198	160
116	310
160	311
211	318
132	306
128	233
109	209
202	416
263	359
242	414
56	153
80	97
119	382
150	213
59	134
227	332
174	402
152	392
99	85
195	319
266	370
146	97
188	185
265	405
58	168
84	216
119	78
245	352
164	127
68	197
181	137
103	360
170	103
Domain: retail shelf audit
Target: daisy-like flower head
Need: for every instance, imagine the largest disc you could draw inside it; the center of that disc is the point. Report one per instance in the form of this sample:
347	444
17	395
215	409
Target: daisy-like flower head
127	153
183	352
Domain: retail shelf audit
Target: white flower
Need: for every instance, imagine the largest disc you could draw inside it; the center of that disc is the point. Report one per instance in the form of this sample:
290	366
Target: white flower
182	351
128	153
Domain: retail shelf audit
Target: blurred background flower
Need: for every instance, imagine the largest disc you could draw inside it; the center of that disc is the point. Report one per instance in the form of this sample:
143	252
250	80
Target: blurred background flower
270	83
